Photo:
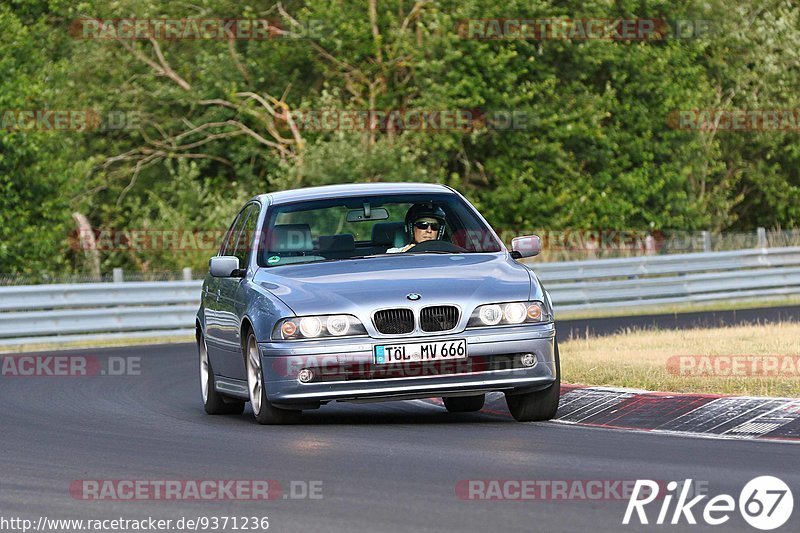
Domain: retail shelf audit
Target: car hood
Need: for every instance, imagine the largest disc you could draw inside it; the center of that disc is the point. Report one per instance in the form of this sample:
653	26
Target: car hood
359	286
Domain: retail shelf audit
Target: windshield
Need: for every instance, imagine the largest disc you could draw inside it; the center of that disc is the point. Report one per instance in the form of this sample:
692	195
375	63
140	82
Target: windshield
366	226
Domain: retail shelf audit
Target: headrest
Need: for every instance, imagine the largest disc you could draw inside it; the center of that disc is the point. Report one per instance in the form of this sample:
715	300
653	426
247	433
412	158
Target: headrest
343	242
291	238
388	234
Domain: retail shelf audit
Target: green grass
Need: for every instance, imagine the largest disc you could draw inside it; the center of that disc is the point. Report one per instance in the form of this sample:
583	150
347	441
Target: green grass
642	359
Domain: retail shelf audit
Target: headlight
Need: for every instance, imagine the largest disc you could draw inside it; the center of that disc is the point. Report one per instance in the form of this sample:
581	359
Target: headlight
515	313
315	327
490	314
506	314
338	325
310	326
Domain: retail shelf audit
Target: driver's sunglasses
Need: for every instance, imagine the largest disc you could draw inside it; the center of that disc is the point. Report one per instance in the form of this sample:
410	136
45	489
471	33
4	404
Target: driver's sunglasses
425	225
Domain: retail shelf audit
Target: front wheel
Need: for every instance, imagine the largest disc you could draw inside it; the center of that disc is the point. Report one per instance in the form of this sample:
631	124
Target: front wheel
539	405
214	403
265	412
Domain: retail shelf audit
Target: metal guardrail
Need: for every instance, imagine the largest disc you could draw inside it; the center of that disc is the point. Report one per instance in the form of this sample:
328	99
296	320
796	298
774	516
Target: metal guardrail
83	312
656	280
97	295
666	264
90	311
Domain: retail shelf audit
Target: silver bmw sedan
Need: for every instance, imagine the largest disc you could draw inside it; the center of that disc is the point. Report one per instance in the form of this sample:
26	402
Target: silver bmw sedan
373	292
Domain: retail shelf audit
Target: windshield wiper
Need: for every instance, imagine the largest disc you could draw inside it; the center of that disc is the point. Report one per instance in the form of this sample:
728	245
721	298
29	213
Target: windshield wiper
348	258
399	254
433	252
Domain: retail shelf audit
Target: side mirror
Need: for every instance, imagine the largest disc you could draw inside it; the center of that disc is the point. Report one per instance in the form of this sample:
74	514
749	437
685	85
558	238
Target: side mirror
224	266
526	246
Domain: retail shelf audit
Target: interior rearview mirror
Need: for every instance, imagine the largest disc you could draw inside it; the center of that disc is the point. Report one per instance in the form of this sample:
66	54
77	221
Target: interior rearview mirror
362	215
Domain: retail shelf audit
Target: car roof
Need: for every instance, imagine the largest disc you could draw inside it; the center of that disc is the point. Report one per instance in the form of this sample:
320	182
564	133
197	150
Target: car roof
351	189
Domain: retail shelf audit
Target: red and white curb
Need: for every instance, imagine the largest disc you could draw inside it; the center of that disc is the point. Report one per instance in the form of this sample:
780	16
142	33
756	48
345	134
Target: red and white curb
695	415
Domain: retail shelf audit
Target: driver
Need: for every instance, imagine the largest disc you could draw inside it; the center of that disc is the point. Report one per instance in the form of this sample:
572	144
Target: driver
424	222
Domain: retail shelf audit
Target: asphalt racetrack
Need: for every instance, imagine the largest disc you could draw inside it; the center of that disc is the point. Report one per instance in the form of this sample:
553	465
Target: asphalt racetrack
398	466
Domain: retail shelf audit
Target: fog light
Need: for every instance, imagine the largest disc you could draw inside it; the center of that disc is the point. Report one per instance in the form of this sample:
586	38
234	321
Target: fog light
528	359
305	375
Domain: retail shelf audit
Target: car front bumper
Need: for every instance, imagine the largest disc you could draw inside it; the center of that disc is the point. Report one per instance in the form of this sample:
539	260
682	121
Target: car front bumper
281	362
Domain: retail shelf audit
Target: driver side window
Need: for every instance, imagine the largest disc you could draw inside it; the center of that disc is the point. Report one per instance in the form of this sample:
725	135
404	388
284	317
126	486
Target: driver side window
244	241
233	233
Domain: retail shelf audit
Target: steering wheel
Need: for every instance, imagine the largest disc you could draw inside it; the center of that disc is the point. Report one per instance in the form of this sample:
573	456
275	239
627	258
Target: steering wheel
436	246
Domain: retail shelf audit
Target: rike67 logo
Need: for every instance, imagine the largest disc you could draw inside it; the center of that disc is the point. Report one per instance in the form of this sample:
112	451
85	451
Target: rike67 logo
765	503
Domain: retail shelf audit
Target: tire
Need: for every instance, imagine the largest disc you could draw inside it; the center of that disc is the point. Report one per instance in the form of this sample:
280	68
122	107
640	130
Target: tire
464	404
540	405
214	403
265	412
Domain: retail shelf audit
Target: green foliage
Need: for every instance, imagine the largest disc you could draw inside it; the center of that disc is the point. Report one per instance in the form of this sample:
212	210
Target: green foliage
35	184
594	147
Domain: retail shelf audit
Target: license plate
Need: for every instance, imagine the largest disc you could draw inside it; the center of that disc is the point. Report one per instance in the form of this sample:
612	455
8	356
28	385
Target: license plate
422	351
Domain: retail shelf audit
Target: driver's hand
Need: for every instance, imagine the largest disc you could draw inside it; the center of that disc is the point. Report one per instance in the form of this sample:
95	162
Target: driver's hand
406	247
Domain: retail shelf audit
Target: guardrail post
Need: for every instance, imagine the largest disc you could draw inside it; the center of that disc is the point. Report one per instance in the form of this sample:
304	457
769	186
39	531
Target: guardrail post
706	236
187	273
762	237
118	277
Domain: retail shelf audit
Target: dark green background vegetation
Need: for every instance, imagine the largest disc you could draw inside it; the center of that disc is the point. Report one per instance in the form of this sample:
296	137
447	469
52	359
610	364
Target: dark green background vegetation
597	151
